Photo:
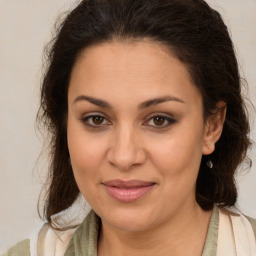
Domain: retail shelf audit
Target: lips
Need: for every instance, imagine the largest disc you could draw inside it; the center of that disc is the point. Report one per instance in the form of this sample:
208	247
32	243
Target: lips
127	191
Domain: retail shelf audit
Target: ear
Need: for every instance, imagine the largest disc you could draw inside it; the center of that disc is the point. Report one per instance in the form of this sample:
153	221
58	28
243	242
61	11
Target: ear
213	128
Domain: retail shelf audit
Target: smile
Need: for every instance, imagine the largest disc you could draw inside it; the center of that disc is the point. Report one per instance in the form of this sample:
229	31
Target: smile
127	191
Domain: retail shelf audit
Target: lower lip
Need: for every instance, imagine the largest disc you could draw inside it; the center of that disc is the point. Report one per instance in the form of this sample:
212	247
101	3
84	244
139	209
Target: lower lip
128	195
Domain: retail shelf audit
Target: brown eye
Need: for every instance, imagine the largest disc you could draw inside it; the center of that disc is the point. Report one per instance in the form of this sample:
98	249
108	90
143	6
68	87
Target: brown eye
159	120
97	120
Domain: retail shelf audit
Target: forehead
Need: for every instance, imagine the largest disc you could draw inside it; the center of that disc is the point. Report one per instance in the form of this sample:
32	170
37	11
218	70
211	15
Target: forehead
143	69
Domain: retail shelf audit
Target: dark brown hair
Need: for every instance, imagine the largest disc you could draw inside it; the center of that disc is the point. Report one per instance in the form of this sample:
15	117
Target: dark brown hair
197	36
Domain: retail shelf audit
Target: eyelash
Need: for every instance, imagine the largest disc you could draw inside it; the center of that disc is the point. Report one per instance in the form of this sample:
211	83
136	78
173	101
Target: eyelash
86	119
167	120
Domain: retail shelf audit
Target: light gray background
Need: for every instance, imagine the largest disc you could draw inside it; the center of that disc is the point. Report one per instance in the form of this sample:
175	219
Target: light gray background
24	29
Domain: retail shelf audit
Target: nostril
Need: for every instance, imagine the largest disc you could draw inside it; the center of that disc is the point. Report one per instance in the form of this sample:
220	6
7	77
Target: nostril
126	151
126	160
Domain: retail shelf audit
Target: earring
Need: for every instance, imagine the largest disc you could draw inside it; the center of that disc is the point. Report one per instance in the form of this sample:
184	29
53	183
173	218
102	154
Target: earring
209	164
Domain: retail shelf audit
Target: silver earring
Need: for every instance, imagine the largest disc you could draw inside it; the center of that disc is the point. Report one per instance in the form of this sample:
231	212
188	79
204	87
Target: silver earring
209	163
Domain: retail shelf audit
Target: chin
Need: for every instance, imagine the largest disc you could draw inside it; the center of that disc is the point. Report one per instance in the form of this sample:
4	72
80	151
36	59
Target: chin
129	219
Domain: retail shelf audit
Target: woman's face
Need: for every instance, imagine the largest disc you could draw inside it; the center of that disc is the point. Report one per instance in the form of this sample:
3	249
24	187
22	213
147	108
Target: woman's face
136	133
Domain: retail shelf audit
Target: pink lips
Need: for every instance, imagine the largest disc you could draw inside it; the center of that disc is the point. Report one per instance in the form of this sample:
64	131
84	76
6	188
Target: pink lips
127	191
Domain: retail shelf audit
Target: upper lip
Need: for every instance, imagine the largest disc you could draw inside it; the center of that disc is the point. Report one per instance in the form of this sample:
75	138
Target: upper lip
128	183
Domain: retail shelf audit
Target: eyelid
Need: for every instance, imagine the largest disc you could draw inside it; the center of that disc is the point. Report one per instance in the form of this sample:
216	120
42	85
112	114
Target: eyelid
94	114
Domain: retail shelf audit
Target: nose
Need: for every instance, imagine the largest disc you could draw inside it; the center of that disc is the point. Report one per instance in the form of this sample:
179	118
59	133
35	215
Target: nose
126	149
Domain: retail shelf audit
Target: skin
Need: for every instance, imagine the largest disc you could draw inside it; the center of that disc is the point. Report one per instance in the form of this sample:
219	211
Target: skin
126	142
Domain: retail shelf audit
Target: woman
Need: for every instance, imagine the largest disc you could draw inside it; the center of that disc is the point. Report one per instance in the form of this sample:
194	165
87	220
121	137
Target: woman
143	103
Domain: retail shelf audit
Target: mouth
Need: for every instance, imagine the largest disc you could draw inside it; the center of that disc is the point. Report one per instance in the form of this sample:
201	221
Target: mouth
128	191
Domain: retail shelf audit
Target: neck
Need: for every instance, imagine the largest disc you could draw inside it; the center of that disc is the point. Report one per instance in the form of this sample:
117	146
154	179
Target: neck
183	234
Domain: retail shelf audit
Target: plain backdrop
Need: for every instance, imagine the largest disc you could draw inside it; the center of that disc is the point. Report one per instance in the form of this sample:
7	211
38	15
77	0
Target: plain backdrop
25	27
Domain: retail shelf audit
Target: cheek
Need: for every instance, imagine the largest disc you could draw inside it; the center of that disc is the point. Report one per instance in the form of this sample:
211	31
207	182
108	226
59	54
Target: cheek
86	156
86	151
177	161
179	154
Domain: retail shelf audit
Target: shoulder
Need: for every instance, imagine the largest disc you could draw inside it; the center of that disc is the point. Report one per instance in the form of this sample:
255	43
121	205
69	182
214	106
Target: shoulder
241	224
235	234
49	242
20	249
253	224
45	241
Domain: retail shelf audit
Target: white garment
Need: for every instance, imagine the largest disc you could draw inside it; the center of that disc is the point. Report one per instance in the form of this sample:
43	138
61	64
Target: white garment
235	236
46	241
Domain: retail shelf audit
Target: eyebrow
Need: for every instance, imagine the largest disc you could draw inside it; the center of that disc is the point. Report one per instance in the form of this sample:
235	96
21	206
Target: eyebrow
143	105
95	101
155	101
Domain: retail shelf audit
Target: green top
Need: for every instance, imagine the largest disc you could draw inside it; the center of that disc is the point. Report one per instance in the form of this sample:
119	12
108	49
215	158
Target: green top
20	249
84	241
